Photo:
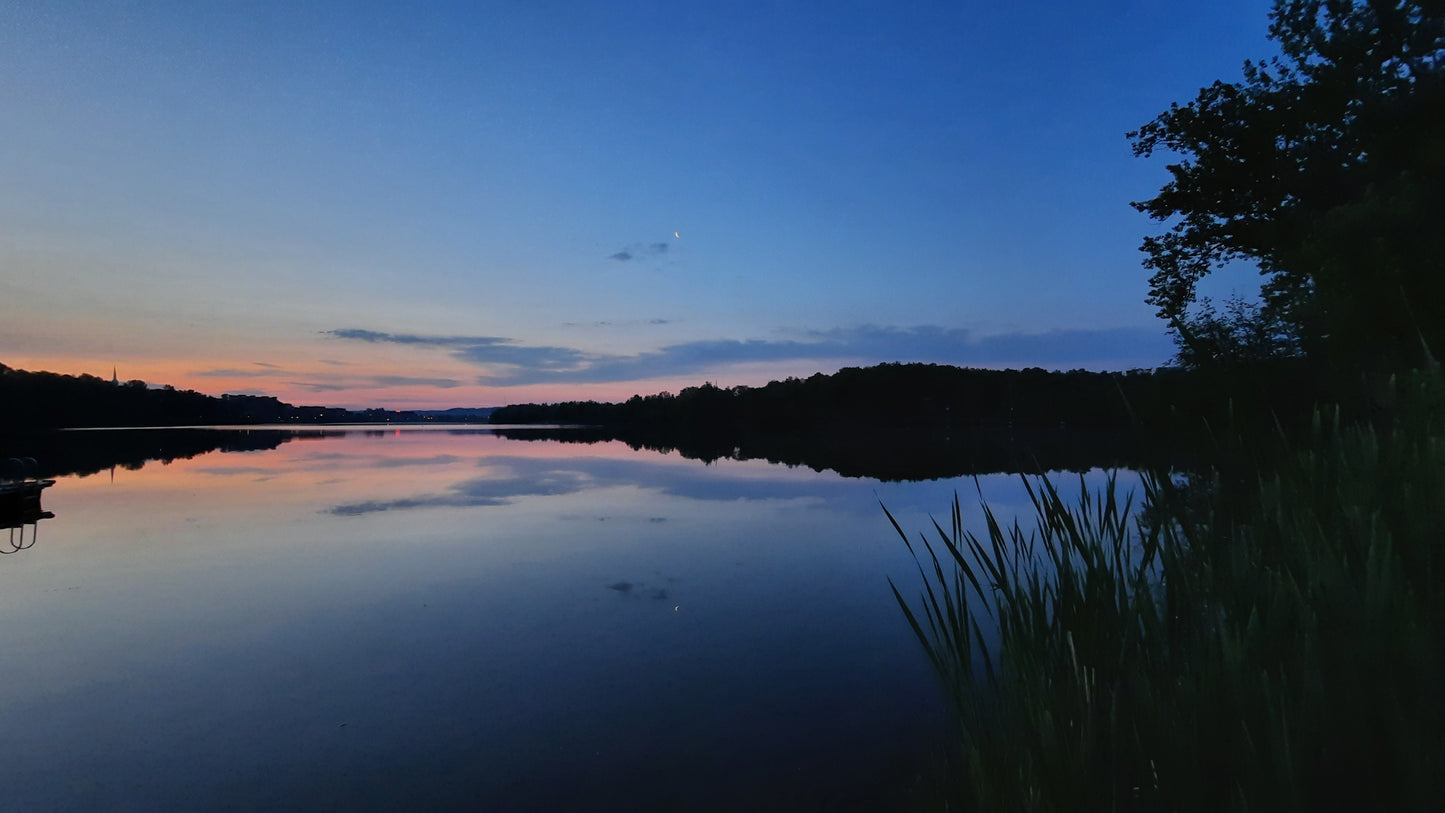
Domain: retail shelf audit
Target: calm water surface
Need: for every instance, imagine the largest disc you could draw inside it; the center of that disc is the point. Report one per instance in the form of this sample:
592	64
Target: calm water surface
434	619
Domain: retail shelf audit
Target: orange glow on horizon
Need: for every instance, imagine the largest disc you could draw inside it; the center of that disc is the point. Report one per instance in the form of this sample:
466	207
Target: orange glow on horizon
320	384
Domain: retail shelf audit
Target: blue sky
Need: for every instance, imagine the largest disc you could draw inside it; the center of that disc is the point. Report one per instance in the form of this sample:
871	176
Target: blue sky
479	203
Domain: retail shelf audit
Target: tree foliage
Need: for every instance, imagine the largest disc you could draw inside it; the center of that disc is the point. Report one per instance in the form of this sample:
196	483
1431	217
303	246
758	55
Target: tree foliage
39	400
1325	166
1243	334
940	398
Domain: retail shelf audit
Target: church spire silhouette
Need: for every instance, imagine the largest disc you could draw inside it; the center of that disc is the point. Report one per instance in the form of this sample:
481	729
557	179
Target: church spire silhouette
114	379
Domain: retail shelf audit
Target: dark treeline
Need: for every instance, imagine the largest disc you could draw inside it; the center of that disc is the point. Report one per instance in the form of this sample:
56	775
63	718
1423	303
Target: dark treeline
930	397
39	400
925	421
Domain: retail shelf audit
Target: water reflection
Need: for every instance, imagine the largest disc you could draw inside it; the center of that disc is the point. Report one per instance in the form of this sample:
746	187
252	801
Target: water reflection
882	453
17	521
438	620
509	478
20	510
86	452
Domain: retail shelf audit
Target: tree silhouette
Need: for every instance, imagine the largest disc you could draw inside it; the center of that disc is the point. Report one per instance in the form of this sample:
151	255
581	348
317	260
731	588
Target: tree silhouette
1326	167
1244	333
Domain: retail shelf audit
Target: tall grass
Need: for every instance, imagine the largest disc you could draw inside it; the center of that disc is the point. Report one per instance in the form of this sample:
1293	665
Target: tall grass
1213	648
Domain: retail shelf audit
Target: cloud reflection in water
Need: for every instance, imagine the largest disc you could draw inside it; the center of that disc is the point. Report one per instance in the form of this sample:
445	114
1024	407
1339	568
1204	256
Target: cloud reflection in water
515	477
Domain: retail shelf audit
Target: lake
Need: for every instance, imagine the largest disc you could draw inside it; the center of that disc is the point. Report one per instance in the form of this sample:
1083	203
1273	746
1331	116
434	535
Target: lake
446	618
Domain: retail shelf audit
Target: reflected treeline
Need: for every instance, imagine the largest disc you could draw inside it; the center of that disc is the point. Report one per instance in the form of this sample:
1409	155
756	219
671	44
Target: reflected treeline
62	453
897	454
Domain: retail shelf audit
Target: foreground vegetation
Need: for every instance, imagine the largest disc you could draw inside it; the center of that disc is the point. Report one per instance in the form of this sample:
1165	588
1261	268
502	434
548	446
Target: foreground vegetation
1269	636
1269	633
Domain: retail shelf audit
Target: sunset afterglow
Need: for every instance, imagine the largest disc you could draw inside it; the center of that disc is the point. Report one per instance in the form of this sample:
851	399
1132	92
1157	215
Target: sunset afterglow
454	205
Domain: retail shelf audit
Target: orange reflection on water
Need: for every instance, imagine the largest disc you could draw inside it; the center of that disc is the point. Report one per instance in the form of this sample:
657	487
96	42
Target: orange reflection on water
321	468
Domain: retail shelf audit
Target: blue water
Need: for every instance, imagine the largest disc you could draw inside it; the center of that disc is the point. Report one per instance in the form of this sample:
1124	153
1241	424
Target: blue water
426	619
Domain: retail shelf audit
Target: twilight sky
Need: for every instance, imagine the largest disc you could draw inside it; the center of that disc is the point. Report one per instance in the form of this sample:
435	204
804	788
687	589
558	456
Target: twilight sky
471	204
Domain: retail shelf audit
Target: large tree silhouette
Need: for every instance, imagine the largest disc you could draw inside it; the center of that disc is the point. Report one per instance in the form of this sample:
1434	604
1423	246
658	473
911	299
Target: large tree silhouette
1325	166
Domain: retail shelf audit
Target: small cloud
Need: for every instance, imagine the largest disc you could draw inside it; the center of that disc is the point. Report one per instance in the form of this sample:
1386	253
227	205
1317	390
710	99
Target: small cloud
232	372
335	363
376	337
400	462
335	383
635	250
410	381
613	323
266	365
320	386
373	336
232	470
